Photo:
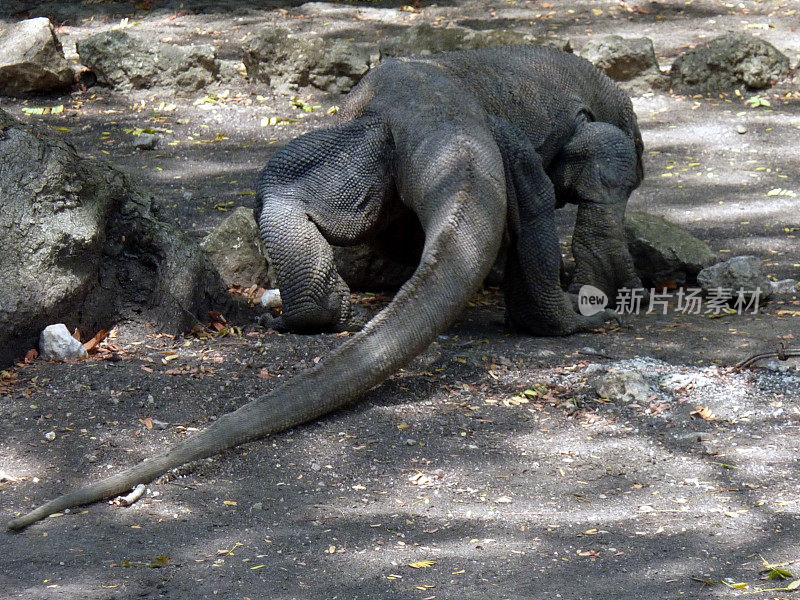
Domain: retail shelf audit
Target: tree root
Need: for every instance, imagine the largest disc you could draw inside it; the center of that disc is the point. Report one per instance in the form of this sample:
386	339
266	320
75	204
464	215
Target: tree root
782	353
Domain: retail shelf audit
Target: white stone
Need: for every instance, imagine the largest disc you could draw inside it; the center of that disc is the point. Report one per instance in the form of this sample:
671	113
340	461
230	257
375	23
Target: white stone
271	299
56	343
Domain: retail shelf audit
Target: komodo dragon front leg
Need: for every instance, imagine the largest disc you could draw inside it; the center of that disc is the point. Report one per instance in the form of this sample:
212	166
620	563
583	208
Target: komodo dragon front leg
597	170
535	301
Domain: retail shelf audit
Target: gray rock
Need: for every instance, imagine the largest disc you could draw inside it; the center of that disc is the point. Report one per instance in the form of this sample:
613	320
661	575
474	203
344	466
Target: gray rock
630	61
683	381
145	141
31	59
774	365
423	40
236	250
341	67
663	251
56	343
740	274
120	60
784	287
727	62
336	10
286	61
83	245
230	71
625	386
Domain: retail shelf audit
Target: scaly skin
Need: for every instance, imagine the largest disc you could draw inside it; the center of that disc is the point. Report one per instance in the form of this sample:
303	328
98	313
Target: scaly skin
450	138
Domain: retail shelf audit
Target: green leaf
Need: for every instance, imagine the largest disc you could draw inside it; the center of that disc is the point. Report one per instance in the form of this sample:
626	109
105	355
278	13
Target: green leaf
780	574
160	561
304	105
737	586
757	101
43	110
782	192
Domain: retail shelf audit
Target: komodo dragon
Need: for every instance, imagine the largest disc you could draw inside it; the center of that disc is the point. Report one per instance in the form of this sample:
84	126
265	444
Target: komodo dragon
462	140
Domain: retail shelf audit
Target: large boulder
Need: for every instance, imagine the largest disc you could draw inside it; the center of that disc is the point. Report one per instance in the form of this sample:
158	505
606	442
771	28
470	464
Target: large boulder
285	60
237	252
423	40
630	61
741	275
82	245
31	59
120	60
727	62
663	251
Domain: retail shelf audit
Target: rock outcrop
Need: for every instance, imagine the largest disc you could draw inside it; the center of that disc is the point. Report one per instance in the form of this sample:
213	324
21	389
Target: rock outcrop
663	251
727	62
84	246
285	60
630	61
32	60
120	60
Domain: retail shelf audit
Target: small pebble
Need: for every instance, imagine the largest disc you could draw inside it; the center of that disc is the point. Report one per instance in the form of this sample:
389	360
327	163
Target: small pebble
146	141
50	436
271	299
257	506
741	128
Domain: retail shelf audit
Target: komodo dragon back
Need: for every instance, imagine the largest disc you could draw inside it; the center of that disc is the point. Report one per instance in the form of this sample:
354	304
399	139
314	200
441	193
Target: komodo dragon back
449	170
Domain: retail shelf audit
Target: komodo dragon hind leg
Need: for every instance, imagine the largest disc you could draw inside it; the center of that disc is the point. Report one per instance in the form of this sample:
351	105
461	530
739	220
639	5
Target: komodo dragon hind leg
535	302
597	170
328	186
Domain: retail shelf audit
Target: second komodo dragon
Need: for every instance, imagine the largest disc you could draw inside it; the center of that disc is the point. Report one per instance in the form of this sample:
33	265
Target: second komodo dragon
467	141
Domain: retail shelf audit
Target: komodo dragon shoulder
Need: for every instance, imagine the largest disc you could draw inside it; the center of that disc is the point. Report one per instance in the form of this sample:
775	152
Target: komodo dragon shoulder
474	144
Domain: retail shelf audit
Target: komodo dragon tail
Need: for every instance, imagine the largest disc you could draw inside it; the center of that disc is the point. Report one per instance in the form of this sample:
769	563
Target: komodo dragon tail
463	233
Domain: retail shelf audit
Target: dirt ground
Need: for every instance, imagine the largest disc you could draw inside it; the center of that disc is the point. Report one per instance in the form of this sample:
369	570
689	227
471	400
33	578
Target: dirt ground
553	494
